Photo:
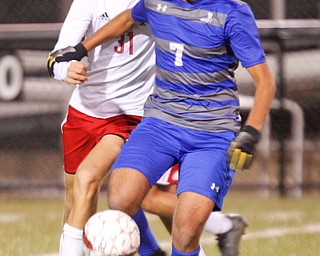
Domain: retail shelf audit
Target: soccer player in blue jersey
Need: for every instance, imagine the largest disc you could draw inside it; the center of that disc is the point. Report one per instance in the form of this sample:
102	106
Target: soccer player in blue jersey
192	117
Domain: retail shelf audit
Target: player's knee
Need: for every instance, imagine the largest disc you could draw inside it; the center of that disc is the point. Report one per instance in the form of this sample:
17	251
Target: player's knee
187	227
115	202
185	235
88	181
126	190
119	201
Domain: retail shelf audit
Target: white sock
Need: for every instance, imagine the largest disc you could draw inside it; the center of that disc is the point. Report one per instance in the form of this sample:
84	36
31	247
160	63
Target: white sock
71	242
60	246
218	223
201	253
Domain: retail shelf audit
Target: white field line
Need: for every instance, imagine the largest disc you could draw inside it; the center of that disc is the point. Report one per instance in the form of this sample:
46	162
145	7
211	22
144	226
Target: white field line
277	232
49	254
8	218
267	233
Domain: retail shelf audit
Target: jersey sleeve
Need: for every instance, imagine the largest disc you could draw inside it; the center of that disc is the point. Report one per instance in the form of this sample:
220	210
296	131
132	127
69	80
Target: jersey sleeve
76	24
243	36
139	12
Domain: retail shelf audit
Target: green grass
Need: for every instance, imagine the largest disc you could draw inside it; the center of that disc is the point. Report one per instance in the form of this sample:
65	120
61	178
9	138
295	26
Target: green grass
278	226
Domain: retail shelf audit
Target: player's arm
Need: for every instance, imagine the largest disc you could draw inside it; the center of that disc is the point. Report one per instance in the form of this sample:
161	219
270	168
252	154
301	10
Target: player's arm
74	28
241	150
264	94
114	28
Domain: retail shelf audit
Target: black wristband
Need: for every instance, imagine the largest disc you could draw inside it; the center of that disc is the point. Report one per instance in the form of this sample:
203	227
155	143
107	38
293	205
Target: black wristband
81	50
252	131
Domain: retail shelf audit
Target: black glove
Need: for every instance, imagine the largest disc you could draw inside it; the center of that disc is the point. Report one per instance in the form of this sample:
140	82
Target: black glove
241	150
66	54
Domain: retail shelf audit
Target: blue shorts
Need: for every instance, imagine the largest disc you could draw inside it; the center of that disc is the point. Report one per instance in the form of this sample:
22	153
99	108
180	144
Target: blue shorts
154	146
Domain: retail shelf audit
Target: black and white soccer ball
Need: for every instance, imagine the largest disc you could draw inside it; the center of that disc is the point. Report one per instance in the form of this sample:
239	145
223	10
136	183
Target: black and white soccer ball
111	233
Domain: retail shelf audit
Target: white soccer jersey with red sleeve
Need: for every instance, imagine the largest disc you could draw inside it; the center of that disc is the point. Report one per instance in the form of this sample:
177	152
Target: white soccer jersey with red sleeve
121	71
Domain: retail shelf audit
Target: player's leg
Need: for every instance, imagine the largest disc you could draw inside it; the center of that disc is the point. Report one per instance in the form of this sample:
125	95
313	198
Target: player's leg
148	243
228	228
68	197
80	135
140	164
74	139
204	180
90	176
161	201
190	216
88	180
229	238
68	203
126	190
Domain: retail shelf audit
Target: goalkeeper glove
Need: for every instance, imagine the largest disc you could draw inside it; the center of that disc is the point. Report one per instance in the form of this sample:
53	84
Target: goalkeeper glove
65	55
240	152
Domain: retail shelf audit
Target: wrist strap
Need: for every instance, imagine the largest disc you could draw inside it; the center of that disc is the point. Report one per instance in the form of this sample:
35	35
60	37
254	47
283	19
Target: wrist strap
252	131
81	50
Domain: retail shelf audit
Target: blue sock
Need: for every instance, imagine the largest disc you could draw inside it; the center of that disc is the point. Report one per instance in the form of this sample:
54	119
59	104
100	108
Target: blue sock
175	252
148	242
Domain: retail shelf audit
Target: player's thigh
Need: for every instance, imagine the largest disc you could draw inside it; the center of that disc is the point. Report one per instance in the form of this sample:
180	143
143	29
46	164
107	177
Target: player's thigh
161	200
172	188
126	189
100	159
151	150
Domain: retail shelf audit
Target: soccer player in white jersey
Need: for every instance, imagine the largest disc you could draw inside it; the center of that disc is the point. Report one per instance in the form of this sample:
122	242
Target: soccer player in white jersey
91	102
102	113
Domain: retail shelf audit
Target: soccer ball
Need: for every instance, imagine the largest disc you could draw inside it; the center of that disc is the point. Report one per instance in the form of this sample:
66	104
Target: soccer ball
111	233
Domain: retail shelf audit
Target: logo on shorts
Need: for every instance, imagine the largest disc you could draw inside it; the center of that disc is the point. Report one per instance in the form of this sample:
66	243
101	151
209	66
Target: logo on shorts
214	187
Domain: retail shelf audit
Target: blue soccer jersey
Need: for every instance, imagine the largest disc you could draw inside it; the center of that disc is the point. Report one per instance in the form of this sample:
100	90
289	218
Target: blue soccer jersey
198	47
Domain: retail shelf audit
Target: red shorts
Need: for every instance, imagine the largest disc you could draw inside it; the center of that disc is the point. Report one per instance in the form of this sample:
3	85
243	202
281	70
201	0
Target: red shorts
80	133
170	177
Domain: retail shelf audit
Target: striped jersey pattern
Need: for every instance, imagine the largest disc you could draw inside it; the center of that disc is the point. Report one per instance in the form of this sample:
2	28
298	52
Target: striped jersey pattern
198	48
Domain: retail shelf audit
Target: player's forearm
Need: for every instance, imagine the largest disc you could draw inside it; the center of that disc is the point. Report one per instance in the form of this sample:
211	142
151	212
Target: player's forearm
241	150
265	91
114	28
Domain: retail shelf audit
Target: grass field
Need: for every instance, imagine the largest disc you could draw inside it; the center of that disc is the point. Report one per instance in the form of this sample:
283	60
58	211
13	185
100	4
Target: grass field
278	226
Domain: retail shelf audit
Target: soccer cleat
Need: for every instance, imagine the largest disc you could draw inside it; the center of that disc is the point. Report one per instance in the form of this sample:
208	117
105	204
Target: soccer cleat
229	242
159	252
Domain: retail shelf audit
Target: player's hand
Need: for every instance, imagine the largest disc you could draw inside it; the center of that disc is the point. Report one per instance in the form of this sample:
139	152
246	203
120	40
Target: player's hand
77	73
65	55
240	152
